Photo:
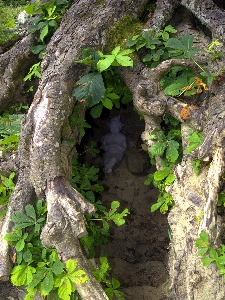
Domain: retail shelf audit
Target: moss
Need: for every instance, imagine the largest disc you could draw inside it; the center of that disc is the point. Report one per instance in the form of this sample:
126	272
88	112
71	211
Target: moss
121	32
98	2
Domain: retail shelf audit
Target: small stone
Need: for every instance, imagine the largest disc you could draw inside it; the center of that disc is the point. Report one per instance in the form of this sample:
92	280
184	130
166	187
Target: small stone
135	161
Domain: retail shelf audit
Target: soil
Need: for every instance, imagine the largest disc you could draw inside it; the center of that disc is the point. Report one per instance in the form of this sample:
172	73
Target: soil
138	250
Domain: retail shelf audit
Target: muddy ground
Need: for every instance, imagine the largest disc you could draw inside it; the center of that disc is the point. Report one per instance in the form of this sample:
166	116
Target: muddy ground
138	250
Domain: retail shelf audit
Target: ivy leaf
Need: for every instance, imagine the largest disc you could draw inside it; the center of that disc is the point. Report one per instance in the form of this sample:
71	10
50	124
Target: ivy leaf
90	89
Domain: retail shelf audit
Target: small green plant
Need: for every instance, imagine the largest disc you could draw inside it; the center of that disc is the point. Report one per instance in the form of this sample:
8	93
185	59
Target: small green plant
221	199
9	131
49	15
165	144
6	188
161	46
90	89
83	178
102	276
197	164
35	71
38	268
98	234
168	147
212	48
210	254
76	121
195	139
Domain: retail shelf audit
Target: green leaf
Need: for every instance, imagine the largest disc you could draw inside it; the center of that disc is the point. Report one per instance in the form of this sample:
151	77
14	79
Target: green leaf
149	180
157	205
158	148
170	28
170	179
65	289
30	211
175	44
115	51
213	253
90	88
37	49
22	275
202	251
78	277
115	205
105	63
174	89
57	267
221	199
131	43
207	260
126	52
161	174
107	103
44	33
20	245
27	256
71	265
115	283
47	284
124	61
194	140
202	241
171	151
118	218
13	237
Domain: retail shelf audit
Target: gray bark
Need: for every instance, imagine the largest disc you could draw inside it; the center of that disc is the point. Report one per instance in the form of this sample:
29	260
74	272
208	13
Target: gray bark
45	156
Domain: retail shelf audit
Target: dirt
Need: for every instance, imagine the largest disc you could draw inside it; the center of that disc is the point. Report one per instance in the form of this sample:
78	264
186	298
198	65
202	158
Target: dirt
138	250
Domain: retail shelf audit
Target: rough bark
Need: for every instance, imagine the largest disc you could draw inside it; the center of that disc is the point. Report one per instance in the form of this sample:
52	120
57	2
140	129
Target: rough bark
45	156
192	194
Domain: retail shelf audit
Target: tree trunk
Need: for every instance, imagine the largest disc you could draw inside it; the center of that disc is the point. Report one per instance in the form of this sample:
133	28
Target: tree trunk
45	156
